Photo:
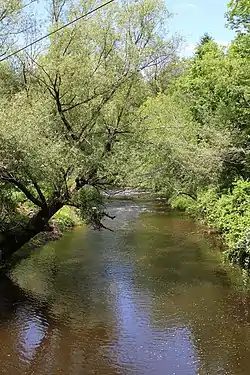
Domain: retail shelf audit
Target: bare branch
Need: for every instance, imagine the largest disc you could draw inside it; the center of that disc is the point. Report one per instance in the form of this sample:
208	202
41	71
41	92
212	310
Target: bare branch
108	216
57	9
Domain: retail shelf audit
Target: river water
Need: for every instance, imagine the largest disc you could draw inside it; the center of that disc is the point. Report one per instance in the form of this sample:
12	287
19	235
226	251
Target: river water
150	298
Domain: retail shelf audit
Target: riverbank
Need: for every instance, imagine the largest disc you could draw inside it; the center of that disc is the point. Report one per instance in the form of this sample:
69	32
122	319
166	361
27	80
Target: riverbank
228	214
64	220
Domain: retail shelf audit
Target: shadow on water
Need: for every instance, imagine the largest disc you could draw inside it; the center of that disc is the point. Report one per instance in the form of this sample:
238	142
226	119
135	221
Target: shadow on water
45	332
10	296
152	297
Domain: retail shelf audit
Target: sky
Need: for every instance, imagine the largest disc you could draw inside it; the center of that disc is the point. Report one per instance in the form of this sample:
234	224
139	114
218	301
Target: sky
193	18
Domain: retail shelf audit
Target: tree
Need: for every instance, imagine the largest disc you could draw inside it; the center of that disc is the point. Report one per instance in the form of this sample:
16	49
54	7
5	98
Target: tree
240	47
206	38
179	155
238	15
59	135
217	87
13	22
197	134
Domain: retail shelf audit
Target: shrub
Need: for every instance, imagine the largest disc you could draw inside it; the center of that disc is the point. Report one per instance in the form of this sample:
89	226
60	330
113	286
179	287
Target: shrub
184	203
66	218
240	253
229	213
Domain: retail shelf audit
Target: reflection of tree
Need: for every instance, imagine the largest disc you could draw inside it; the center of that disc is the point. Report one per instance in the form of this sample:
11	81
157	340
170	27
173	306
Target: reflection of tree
10	295
169	249
16	309
191	288
97	299
32	341
61	323
71	350
67	275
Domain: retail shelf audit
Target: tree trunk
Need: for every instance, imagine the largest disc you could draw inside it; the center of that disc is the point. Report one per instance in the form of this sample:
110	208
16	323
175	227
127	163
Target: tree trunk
12	242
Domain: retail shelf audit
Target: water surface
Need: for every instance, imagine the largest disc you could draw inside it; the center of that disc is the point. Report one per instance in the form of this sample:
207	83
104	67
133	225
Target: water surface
152	297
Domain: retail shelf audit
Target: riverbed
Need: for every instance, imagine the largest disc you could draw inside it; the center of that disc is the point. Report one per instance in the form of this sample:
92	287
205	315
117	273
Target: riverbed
152	297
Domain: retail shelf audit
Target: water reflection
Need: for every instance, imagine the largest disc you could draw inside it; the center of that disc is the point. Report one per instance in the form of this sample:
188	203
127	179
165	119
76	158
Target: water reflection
150	298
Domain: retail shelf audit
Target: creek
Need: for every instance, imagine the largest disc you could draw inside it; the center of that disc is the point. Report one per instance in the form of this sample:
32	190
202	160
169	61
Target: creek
150	298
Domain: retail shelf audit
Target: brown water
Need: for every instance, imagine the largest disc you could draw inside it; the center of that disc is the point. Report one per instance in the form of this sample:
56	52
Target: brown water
152	297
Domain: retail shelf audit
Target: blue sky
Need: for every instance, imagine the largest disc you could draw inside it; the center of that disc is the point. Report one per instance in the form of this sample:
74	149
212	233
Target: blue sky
193	18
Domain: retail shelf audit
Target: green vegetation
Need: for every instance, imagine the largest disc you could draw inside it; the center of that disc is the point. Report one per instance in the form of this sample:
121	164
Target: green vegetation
228	213
64	110
110	103
239	15
66	218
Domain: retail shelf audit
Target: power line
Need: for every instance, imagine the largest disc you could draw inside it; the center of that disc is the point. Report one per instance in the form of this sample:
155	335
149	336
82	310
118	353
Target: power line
55	31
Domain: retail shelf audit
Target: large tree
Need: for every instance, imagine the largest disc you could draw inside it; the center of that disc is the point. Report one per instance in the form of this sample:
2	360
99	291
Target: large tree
200	127
59	133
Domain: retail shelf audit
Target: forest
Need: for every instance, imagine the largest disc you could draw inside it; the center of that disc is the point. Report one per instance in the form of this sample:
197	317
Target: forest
107	100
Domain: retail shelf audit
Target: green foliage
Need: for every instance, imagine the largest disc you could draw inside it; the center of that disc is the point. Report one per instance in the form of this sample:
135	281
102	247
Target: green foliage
183	203
240	253
66	114
200	50
240	47
11	218
239	15
66	218
176	153
228	212
217	87
91	206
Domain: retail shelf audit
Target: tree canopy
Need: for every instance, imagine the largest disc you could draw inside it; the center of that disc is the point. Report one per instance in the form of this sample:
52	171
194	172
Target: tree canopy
239	15
108	101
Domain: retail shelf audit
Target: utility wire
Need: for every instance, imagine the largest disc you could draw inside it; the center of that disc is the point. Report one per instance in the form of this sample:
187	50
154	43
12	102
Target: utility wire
55	31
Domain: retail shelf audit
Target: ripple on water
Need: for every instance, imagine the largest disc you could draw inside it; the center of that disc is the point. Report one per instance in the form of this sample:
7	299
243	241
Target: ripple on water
150	298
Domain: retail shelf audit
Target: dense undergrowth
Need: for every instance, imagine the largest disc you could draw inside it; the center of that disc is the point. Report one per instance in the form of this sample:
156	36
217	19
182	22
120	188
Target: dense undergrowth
66	218
229	213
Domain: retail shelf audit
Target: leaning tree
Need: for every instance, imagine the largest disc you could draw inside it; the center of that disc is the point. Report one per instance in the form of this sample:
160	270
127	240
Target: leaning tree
66	132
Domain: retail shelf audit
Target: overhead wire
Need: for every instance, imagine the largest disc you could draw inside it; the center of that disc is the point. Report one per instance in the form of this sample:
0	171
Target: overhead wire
58	29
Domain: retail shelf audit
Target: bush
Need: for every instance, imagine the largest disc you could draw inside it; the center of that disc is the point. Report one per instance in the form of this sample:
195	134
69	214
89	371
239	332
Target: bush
229	213
184	203
66	218
10	217
240	253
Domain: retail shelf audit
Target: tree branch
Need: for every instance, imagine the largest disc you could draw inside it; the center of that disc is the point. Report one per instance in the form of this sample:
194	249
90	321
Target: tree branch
7	177
39	191
187	194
